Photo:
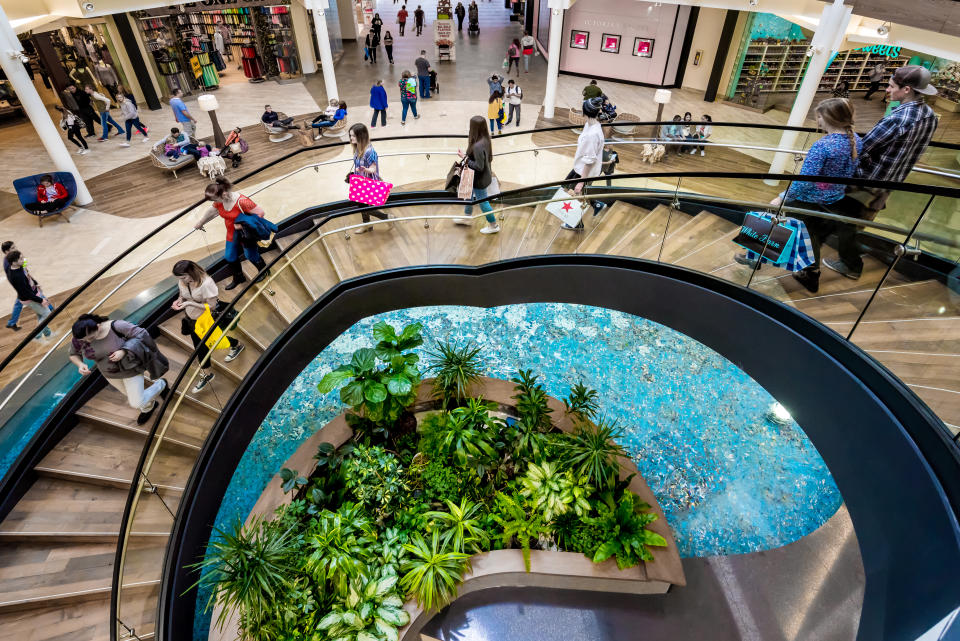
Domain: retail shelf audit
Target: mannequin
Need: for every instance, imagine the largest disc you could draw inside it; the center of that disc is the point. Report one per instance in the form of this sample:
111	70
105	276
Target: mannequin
108	77
81	75
218	42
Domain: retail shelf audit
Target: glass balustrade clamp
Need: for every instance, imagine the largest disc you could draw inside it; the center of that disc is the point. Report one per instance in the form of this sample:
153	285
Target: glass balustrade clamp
129	633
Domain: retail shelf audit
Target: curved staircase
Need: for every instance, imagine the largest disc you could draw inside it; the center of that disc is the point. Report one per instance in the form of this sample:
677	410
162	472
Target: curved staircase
57	546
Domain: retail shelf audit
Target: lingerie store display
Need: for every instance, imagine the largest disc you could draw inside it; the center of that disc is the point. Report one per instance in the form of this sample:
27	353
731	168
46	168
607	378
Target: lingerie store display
279	40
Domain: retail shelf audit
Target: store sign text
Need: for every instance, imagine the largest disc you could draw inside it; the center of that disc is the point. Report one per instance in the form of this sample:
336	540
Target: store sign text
881	50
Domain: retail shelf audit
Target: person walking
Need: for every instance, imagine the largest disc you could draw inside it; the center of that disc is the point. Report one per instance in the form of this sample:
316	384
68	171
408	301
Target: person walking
495	111
365	163
366	46
68	100
378	102
890	150
592	90
103	107
229	205
408	95
186	122
388	45
513	56
418	20
123	353
27	289
423	73
875	78
198	291
376	24
835	154
373	44
402	17
495	83
461	13
588	160
514	98
70	123
131	119
479	157
84	108
7	247
527	47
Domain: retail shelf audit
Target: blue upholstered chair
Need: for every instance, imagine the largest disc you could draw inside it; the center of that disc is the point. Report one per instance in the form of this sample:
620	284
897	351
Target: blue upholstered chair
27	192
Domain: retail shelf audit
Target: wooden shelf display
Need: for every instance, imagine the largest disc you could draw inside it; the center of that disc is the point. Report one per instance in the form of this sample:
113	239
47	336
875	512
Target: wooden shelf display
782	66
855	66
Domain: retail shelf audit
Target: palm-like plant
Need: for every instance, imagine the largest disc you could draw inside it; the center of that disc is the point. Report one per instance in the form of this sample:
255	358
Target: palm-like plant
371	611
460	526
454	369
592	451
248	570
531	401
518	524
433	571
549	490
465	438
583	402
626	535
340	542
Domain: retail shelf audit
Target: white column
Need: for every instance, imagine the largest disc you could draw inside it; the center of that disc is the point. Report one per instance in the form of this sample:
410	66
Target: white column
10	51
826	40
301	32
323	41
553	56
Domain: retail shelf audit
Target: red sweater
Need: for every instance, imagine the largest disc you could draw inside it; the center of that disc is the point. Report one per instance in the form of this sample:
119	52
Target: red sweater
61	192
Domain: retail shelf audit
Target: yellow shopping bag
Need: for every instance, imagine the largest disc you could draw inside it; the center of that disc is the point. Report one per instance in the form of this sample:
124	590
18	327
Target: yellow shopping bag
203	325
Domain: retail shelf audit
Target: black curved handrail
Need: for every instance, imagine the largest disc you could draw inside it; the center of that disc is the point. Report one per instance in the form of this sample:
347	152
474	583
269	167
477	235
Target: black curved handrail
82	288
862	408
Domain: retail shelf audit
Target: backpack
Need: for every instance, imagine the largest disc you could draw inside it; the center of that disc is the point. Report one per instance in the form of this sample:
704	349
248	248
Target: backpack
411	86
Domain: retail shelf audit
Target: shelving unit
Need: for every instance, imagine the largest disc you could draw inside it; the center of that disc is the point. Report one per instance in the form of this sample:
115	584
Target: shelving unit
785	65
159	38
279	42
855	67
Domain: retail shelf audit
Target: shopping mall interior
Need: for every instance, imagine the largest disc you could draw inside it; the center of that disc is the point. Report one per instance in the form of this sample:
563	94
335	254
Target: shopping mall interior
487	346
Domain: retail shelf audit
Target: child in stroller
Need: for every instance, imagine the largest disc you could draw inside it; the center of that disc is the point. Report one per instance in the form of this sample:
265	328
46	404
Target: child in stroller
434	85
608	111
234	147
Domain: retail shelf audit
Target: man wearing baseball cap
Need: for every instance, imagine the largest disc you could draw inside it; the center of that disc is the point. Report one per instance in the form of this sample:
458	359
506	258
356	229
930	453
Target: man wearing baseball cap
890	150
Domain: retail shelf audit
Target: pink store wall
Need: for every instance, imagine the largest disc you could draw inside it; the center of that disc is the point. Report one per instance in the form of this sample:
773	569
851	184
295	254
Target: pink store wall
629	19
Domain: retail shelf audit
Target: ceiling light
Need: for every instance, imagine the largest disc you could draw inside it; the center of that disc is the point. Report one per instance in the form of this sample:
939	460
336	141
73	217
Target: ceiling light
883	29
754	3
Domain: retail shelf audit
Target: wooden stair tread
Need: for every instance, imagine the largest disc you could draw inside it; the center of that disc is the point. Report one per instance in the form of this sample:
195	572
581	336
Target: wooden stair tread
936	335
222	386
701	230
930	370
383	247
85	621
538	234
618	219
677	224
235	369
312	265
920	299
454	244
188	428
711	254
646	234
280	298
260	321
290	281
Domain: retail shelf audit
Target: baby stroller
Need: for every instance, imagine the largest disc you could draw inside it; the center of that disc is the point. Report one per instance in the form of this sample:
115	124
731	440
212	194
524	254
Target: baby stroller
474	23
434	85
235	148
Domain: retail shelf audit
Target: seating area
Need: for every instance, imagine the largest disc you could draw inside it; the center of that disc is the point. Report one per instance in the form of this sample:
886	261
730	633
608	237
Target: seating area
27	193
162	161
276	134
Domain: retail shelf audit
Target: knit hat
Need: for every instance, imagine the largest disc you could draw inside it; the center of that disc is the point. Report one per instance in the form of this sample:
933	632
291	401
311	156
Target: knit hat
592	107
915	77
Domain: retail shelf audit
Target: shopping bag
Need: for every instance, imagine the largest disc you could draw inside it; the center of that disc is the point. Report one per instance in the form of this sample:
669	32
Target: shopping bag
506	63
368	191
465	188
568	211
453	177
772	241
203	325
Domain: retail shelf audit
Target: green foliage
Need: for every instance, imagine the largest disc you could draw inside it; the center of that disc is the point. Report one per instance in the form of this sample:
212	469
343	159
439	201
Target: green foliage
440	482
330	458
593	450
582	403
339	544
454	369
291	480
375	478
433	571
380	394
517	523
248	570
549	490
371	611
531	401
460	527
573	535
625	533
467	436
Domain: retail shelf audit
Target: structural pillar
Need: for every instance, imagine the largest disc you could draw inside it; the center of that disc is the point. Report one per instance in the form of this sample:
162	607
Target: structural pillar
826	40
553	55
10	52
323	43
301	32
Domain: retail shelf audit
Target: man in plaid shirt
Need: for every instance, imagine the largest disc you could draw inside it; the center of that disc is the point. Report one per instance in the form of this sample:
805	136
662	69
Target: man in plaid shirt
890	151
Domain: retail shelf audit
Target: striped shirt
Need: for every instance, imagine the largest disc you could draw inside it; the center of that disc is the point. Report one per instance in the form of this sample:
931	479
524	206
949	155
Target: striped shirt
894	145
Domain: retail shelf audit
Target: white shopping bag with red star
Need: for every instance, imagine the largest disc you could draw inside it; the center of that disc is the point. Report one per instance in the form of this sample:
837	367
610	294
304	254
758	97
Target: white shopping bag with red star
569	211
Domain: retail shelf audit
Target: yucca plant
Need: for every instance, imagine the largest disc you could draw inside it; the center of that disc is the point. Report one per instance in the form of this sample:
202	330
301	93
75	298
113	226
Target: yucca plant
582	402
550	491
531	400
519	524
592	451
454	369
460	527
340	545
626	536
371	611
248	569
433	571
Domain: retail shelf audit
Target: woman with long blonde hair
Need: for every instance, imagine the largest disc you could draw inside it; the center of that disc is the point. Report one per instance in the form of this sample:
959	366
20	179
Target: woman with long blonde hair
365	163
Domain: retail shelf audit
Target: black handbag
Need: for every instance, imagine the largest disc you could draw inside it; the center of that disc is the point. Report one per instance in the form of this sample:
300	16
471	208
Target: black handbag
221	317
453	177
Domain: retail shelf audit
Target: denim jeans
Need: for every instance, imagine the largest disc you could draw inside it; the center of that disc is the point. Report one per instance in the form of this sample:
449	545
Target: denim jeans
412	104
134	122
106	120
526	61
41	312
15	314
479	193
322	124
424	86
499	126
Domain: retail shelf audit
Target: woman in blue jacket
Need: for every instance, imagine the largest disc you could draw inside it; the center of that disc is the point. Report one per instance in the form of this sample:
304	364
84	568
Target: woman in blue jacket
378	102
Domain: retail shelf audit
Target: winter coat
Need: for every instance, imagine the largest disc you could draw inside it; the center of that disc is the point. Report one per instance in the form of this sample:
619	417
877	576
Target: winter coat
378	97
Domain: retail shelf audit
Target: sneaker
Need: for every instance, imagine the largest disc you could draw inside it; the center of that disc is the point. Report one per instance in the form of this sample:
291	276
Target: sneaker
145	139
841	268
490	229
234	352
15	328
600	208
403	122
204	379
101	140
809	278
79	152
703	153
363	230
84	152
416	117
571	228
463	221
743	260
124	144
146	130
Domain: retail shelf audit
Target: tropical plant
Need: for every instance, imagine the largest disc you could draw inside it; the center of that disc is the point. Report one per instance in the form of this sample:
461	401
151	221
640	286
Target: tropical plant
454	370
582	402
390	551
527	442
549	490
625	533
324	492
460	526
291	480
517	523
330	458
375	478
371	611
340	545
248	570
531	401
381	395
433	571
468	436
593	449
440	482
